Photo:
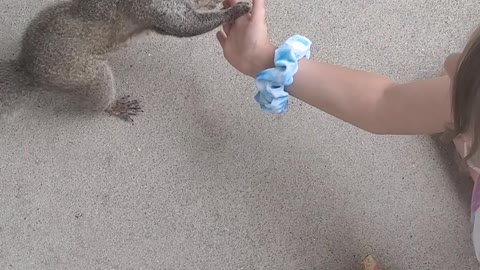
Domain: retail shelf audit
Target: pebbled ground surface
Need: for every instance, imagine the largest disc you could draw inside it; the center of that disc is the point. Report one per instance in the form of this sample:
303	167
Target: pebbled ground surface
205	180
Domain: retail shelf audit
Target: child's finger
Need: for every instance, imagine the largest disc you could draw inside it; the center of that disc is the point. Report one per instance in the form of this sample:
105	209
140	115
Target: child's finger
225	4
258	10
229	3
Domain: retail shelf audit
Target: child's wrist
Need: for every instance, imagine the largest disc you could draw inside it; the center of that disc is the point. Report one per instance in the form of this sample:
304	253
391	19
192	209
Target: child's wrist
272	82
264	60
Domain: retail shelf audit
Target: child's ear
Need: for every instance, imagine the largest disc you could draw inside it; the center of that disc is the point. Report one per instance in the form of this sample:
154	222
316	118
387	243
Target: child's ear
451	63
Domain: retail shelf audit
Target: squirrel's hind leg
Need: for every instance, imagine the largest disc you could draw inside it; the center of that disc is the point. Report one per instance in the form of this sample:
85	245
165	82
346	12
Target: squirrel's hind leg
96	93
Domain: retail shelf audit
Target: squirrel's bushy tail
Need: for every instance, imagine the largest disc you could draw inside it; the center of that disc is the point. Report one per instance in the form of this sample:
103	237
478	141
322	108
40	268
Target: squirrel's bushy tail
14	88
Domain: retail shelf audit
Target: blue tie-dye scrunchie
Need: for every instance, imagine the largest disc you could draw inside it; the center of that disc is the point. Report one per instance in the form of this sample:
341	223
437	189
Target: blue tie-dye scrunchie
272	95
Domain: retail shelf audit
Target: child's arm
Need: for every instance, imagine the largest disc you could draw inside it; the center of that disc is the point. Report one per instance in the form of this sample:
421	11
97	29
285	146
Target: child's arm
366	100
373	102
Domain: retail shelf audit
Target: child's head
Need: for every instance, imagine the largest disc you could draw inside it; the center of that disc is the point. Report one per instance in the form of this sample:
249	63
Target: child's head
466	92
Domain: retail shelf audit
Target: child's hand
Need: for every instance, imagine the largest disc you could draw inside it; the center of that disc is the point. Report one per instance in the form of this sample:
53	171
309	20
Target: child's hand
245	42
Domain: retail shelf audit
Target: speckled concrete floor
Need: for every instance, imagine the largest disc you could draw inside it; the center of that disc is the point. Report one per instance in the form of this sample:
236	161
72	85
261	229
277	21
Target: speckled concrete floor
205	180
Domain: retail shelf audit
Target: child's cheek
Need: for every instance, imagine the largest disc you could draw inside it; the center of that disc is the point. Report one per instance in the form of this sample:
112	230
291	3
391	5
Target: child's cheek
451	63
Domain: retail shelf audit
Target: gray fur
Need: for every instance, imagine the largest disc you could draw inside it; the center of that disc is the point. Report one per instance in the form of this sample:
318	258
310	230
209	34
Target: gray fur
65	47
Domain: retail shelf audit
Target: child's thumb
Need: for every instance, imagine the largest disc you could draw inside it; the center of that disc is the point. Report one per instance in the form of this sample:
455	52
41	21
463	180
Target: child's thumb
222	38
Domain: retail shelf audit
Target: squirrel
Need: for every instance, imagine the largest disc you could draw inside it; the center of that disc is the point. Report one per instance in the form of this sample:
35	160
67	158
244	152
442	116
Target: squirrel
206	4
65	47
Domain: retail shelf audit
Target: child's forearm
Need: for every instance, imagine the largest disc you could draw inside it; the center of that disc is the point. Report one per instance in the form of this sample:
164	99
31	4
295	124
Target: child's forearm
373	102
347	94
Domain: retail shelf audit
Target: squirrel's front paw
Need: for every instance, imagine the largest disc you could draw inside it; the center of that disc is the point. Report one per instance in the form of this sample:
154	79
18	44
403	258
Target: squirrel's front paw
240	9
125	108
206	4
